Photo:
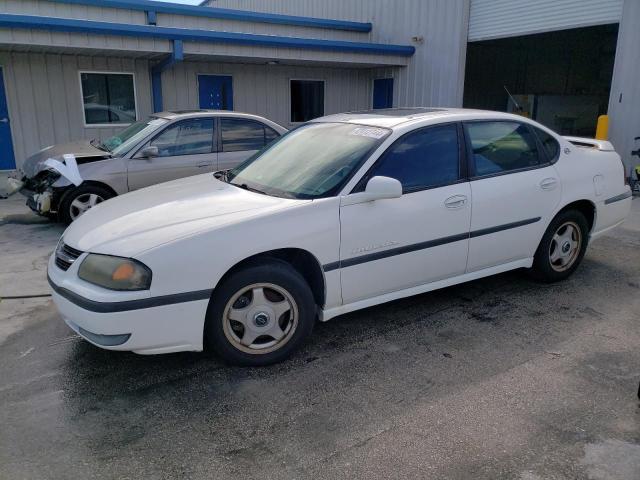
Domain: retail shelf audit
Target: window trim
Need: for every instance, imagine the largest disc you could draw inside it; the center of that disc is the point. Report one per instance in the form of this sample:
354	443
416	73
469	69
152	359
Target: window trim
324	99
148	140
106	125
462	163
542	154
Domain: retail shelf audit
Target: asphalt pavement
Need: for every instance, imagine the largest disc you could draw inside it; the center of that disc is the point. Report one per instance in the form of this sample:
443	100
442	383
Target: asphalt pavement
498	378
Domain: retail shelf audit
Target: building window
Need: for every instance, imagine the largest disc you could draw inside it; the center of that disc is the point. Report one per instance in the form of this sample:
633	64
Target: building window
108	98
307	100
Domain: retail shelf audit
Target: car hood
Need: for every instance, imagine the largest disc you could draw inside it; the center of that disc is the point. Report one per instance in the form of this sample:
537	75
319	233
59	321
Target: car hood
130	224
83	151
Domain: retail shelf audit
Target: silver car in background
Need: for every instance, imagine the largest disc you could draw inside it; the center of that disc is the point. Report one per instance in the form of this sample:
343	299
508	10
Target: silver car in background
167	146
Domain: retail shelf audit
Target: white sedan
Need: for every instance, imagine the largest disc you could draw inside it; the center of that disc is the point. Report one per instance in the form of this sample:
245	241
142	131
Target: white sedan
345	212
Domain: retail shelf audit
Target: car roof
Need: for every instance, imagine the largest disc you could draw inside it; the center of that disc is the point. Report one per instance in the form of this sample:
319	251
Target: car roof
180	114
392	117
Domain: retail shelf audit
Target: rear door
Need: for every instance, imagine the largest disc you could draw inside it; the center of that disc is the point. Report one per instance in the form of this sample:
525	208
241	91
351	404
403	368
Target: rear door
515	189
240	138
185	148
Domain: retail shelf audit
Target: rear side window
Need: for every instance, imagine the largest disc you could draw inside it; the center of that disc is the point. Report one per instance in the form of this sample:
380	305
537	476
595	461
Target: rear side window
422	159
242	135
550	144
499	147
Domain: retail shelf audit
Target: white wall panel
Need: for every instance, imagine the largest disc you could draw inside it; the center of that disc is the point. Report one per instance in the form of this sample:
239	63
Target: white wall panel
434	76
624	102
264	90
44	99
508	18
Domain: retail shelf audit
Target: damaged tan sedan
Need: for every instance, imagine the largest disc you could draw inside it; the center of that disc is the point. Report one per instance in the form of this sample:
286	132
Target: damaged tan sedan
64	181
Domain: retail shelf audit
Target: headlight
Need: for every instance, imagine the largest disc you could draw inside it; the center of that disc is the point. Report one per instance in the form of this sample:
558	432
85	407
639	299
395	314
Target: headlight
115	273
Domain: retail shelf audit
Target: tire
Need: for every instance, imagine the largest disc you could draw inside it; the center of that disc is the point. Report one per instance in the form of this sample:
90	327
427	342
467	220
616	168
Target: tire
253	307
557	256
68	209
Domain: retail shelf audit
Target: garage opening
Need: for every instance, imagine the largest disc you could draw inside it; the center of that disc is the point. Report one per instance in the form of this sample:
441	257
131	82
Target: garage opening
561	79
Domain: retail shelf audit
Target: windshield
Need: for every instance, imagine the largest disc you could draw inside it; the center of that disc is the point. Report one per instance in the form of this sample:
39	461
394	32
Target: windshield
121	143
312	161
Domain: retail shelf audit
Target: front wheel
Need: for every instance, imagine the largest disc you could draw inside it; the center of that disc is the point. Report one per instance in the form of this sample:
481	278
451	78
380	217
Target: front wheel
562	247
78	200
259	315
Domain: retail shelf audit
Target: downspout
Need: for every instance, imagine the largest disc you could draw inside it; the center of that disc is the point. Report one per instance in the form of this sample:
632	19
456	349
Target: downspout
156	73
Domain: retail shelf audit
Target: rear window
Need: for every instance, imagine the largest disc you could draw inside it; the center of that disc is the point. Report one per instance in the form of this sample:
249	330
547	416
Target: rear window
550	144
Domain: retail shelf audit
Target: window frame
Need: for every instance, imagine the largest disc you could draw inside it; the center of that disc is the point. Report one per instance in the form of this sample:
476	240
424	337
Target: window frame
324	99
220	143
462	161
470	162
214	140
106	72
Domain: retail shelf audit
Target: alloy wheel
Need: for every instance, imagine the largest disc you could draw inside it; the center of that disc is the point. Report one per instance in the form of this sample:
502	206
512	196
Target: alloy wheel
565	246
82	203
260	318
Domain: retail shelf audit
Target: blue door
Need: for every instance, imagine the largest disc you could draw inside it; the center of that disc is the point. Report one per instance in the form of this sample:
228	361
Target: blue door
383	93
7	159
215	91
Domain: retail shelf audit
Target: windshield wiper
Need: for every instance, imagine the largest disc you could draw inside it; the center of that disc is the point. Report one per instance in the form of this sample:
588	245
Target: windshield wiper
99	146
247	187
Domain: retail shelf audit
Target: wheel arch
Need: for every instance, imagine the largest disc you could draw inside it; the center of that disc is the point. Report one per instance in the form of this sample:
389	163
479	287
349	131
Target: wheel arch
584	206
303	261
71	188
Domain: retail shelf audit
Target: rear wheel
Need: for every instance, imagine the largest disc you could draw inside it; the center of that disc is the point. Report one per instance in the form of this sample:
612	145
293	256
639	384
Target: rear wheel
81	199
260	314
562	247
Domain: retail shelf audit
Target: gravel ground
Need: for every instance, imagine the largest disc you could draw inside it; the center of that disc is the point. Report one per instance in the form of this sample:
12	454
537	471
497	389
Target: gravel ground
497	378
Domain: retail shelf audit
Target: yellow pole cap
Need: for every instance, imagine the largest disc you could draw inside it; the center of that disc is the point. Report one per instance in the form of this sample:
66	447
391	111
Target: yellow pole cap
602	129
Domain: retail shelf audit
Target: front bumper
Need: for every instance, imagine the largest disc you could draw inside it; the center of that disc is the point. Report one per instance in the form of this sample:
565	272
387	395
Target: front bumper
110	323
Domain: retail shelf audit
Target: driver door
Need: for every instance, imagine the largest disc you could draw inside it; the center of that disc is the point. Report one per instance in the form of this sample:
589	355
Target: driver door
394	244
185	148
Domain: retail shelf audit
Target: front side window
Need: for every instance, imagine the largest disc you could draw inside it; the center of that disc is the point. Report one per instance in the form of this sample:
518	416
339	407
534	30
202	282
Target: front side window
426	158
312	161
188	137
108	98
307	100
501	147
242	135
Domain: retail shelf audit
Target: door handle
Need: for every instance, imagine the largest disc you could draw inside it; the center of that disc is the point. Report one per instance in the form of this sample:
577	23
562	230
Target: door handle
548	183
457	201
4	120
203	164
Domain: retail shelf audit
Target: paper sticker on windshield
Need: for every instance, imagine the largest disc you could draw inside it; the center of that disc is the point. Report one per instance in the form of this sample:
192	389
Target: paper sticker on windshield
370	132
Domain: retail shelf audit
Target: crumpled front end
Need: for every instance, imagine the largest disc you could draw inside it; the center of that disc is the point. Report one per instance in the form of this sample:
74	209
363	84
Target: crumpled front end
42	196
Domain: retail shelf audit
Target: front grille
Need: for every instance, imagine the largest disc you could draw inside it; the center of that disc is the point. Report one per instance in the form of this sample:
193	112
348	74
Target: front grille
65	256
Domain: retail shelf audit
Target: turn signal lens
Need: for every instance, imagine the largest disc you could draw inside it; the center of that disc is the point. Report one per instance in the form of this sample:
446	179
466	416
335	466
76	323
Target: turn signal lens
115	273
124	272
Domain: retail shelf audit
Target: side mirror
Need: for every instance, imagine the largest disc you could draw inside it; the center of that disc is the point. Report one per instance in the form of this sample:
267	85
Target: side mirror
378	188
150	152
